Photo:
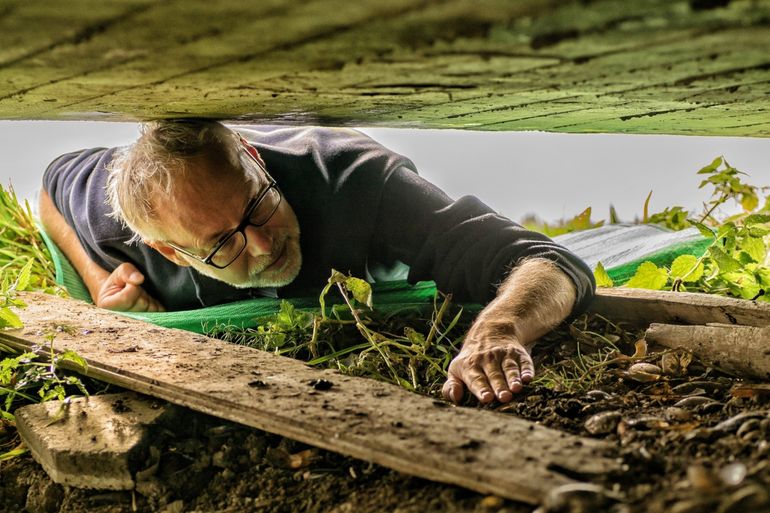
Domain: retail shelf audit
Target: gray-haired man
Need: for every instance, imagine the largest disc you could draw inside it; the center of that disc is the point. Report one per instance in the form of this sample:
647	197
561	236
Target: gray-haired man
194	214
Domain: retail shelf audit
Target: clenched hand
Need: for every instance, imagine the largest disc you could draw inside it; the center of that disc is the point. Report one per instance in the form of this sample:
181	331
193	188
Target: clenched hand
122	291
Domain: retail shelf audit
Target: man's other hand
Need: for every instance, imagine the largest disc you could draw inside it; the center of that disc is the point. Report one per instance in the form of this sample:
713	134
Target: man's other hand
122	292
491	364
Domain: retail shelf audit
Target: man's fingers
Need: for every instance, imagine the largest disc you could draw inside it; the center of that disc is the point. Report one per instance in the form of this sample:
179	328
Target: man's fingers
527	366
453	390
497	381
513	374
478	384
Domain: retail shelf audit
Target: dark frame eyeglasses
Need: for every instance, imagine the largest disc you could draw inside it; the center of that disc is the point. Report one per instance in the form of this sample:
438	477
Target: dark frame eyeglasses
236	239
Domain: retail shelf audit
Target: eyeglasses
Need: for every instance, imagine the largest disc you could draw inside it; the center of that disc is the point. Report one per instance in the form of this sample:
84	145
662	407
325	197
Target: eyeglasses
258	212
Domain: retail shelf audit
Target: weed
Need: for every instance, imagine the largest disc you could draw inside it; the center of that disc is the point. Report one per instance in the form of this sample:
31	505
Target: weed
736	261
407	346
22	249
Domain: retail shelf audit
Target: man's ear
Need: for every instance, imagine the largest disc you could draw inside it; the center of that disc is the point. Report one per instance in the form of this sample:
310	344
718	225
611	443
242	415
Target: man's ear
168	252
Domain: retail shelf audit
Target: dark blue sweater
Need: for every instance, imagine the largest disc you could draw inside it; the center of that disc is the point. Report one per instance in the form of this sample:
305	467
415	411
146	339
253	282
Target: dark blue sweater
360	207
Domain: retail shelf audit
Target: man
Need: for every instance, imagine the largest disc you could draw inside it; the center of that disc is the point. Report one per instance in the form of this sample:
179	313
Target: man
195	214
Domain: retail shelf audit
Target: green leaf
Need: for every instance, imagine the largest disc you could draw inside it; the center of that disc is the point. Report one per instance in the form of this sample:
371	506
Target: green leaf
755	248
649	276
337	277
743	284
756	219
725	262
646	209
763	276
727	230
687	268
711	167
8	319
758	231
22	281
414	336
703	229
361	290
602	278
749	201
71	356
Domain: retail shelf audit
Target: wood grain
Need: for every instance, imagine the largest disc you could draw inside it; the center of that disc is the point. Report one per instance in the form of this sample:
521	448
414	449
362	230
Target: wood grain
641	308
740	350
474	448
658	66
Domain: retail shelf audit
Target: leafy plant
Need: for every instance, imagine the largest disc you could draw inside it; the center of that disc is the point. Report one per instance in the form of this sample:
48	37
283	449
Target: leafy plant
21	246
402	346
736	261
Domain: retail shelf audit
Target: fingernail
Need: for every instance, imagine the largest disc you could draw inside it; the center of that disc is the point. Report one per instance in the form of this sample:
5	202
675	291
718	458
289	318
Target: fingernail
516	385
505	396
135	276
486	396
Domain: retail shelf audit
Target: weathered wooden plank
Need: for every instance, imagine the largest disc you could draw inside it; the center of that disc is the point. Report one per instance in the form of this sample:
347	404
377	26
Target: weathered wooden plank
478	449
658	66
641	307
740	350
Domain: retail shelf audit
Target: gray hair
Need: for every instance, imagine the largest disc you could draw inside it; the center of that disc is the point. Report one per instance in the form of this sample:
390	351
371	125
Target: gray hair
141	174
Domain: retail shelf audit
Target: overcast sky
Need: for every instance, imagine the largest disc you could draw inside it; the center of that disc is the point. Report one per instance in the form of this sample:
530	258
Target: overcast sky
552	175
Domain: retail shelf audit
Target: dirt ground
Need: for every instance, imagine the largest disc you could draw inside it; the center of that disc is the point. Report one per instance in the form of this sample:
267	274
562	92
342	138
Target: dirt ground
692	440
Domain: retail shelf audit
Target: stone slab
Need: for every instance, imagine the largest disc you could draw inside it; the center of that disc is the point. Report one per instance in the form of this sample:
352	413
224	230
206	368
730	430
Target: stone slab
90	442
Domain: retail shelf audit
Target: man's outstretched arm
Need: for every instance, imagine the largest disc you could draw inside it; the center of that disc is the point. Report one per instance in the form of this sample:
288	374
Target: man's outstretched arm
119	290
494	361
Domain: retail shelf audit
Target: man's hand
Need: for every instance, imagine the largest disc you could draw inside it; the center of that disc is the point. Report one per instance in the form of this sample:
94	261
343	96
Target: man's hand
121	291
494	361
492	365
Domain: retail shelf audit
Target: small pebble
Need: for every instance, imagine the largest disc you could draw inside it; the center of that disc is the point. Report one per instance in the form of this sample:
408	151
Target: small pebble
693	401
675	414
733	474
492	502
603	423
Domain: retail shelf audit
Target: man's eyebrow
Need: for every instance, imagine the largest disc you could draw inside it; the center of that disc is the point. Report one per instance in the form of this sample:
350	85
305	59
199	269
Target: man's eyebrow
209	241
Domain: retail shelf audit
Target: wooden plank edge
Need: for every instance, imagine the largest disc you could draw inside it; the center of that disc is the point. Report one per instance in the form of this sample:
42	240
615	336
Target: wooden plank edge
739	350
640	308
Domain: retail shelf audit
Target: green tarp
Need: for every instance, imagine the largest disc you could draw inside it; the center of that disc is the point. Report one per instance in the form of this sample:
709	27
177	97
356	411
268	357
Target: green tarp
620	248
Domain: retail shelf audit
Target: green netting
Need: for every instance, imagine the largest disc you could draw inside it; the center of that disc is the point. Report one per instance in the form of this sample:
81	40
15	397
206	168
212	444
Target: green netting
624	247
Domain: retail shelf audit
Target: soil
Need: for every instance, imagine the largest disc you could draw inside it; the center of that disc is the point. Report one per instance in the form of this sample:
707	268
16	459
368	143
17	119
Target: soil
692	440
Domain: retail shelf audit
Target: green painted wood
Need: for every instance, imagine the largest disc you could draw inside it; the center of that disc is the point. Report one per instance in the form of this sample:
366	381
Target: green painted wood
652	66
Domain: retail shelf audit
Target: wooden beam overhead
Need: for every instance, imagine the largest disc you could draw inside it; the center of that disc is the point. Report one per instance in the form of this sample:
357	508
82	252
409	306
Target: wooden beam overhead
653	66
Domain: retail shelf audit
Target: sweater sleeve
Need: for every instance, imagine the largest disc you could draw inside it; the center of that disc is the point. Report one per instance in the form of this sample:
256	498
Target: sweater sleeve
463	245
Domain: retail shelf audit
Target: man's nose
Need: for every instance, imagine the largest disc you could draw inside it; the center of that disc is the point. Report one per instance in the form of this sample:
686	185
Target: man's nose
258	241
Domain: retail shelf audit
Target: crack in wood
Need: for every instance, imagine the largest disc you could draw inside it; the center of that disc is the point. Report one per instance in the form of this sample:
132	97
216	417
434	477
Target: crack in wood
81	36
81	73
251	56
722	73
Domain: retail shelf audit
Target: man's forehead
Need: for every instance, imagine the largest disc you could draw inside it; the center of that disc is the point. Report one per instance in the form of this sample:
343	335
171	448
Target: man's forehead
201	209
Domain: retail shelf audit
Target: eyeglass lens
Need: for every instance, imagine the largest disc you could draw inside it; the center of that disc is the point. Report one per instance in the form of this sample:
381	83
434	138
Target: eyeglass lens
234	245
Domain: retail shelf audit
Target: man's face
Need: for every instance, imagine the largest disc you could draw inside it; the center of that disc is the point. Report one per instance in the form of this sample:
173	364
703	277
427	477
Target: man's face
208	206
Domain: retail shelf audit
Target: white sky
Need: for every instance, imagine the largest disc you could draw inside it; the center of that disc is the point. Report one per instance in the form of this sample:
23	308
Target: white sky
552	175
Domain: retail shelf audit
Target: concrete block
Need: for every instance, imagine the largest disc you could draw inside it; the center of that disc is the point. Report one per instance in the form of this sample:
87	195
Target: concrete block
92	442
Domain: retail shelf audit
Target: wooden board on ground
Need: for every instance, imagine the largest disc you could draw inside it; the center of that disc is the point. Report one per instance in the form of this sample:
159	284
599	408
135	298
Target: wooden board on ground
741	350
641	307
477	449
